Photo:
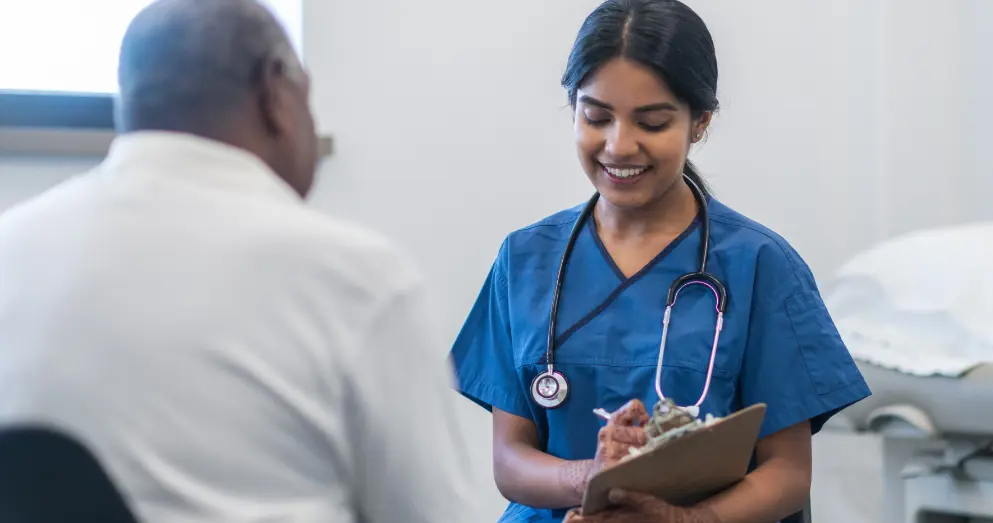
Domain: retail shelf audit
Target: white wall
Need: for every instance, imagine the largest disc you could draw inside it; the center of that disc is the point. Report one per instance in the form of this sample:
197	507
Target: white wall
978	84
450	127
843	122
21	178
451	131
795	143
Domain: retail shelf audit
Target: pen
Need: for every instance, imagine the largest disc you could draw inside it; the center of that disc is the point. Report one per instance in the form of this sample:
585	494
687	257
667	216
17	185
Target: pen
602	413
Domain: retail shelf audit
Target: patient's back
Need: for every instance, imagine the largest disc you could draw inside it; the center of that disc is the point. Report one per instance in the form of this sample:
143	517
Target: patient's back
220	346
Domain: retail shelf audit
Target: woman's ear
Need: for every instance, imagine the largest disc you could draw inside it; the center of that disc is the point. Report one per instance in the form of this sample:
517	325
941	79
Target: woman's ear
700	125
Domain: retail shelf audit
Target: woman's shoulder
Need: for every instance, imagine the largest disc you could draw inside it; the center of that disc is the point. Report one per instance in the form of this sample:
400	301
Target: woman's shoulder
731	224
733	233
562	220
546	231
536	244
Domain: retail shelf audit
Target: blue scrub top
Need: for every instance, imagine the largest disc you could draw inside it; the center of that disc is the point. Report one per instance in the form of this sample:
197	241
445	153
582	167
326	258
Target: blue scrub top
778	346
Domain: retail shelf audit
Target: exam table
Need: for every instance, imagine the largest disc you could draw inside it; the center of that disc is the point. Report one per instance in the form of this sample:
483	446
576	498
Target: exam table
916	311
937	443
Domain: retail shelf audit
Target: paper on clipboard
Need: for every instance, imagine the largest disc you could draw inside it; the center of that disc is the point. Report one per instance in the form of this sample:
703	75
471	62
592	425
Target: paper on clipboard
686	470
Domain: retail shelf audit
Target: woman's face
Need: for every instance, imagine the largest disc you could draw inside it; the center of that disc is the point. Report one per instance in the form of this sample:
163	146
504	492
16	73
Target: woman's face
632	134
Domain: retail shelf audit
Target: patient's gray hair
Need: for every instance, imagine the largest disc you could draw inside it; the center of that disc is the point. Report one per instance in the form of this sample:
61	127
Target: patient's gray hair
186	65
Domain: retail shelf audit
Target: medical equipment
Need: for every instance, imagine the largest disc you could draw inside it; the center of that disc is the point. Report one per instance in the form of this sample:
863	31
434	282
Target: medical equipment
937	443
550	389
919	303
914	311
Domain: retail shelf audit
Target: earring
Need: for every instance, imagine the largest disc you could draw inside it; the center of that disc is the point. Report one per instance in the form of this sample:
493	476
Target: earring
699	136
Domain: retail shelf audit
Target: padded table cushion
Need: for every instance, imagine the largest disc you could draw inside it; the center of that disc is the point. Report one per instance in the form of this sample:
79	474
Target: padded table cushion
960	406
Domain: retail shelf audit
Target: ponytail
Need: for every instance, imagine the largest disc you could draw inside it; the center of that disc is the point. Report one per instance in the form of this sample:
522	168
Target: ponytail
690	171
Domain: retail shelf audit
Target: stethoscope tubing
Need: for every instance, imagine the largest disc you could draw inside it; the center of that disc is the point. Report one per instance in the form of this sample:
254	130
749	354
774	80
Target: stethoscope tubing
700	277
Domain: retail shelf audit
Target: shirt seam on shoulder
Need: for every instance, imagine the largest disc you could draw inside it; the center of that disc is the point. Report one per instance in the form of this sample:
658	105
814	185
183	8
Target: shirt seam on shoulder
546	224
743	225
777	241
500	272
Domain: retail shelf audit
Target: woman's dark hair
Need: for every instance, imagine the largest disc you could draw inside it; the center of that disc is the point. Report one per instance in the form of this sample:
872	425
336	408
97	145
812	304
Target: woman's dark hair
665	36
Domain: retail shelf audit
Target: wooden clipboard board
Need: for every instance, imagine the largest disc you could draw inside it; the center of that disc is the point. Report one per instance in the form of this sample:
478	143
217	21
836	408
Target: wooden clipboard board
686	470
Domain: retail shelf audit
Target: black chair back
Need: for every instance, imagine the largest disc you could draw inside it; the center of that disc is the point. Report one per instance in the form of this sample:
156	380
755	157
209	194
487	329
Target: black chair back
49	477
800	517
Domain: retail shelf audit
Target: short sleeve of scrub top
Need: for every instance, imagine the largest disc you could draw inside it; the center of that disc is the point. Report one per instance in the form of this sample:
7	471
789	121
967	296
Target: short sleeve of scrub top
795	360
483	353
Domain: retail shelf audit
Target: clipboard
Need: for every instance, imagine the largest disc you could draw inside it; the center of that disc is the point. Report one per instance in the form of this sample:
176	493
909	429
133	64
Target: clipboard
686	470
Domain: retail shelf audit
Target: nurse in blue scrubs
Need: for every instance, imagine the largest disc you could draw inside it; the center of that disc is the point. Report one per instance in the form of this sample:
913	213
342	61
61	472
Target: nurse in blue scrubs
642	78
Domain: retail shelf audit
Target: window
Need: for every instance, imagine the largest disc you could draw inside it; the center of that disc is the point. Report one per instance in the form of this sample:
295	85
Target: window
59	58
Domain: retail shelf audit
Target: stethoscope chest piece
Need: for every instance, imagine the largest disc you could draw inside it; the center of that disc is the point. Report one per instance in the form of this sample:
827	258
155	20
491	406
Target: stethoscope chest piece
549	389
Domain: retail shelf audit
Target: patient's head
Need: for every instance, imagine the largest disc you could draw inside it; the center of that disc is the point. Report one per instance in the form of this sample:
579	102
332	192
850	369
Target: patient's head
224	70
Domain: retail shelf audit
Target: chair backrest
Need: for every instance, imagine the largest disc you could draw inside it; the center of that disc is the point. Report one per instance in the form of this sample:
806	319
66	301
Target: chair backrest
47	476
800	517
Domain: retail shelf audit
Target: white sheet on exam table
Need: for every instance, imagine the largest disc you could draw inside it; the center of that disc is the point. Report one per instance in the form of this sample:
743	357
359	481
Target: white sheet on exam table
921	303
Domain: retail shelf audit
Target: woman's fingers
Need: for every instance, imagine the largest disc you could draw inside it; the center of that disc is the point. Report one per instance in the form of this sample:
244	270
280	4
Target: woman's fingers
634	436
624	431
614	452
631	414
616	443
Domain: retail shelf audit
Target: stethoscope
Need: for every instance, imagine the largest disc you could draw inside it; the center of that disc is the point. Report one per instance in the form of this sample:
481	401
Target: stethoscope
550	388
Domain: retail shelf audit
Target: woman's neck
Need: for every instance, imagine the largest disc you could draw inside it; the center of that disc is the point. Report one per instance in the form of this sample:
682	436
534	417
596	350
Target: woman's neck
670	215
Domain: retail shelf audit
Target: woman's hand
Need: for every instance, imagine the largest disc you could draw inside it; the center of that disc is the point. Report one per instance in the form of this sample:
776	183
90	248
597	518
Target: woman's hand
624	430
531	477
632	507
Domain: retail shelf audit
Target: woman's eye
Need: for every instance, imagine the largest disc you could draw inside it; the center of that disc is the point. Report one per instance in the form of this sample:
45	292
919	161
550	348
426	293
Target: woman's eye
596	117
653	127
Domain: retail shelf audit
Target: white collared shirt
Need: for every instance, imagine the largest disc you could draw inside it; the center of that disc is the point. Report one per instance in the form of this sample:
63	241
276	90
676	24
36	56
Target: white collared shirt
228	353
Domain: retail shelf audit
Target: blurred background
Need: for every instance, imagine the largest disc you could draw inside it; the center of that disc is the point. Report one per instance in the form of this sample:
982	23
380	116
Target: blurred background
843	123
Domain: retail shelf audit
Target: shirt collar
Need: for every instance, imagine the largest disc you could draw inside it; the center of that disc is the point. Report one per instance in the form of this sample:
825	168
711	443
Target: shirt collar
196	159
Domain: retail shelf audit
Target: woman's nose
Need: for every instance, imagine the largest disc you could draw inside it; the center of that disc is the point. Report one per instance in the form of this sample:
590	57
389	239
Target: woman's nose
621	142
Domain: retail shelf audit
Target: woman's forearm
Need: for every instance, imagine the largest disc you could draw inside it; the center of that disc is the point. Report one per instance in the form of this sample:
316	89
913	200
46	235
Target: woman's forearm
771	492
536	479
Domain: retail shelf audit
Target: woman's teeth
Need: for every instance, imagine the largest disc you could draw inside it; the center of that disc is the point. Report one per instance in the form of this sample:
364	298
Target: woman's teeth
627	172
